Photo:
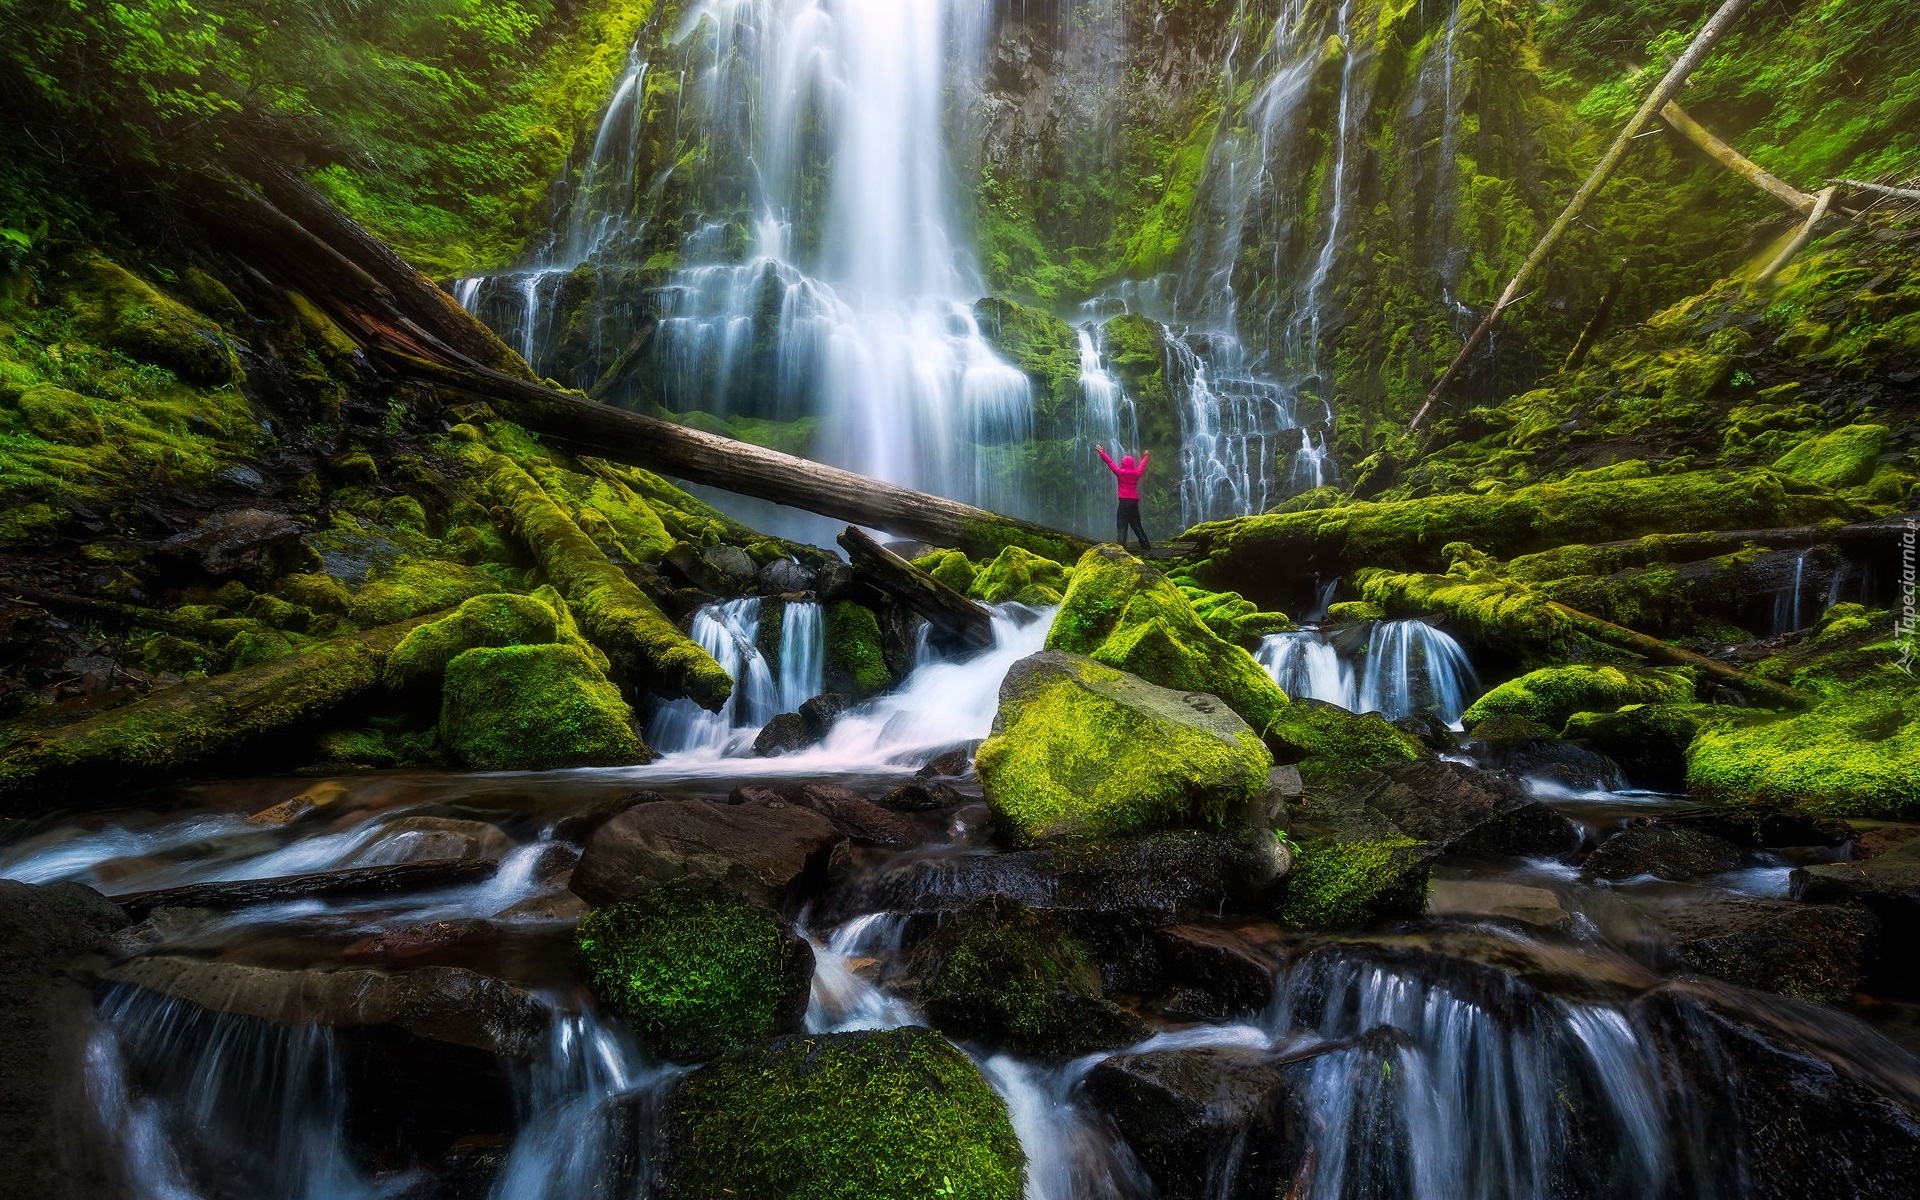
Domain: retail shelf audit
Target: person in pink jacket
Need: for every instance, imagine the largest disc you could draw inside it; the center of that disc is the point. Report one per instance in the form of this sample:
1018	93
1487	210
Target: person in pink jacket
1128	473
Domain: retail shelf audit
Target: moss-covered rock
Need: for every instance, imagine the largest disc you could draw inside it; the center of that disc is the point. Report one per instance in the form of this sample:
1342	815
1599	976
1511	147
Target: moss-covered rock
411	587
883	1115
59	415
1349	881
1552	694
1355	611
1235	618
999	970
1081	750
1843	458
1020	576
1855	754
696	969
1123	613
1306	729
317	592
1649	741
531	708
127	313
856	662
500	619
951	567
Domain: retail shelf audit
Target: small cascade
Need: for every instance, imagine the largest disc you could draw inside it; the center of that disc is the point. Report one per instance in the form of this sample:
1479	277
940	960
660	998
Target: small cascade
1412	667
730	633
1787	601
1071	1153
1407	667
590	1119
842	999
803	653
1231	419
1312	465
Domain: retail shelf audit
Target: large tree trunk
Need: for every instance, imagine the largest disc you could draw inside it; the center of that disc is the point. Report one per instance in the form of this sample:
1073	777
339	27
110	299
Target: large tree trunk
1669	87
950	612
1658	651
1675	116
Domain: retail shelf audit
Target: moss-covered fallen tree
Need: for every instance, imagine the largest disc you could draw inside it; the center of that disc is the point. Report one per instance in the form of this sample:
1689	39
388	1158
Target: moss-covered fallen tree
194	723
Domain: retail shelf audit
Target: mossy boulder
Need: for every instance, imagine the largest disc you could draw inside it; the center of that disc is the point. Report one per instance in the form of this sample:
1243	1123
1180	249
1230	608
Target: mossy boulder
1346	881
1123	613
1308	729
1235	618
1649	741
132	316
1019	576
1845	457
880	1115
59	415
855	661
531	708
1355	611
412	587
500	619
1552	694
1002	971
951	567
1855	754
696	969
1081	751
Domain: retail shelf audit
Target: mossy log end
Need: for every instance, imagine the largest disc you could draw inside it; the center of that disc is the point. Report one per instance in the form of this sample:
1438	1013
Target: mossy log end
642	641
194	723
950	612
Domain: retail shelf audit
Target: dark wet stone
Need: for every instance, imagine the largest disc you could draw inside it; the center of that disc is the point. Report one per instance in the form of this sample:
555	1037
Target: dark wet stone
1765	827
1889	888
578	827
1431	730
1216	974
767	850
783	575
1457	807
833	581
950	763
822	711
852	814
238	541
917	796
732	564
784	734
1208	1123
1664	851
1808	951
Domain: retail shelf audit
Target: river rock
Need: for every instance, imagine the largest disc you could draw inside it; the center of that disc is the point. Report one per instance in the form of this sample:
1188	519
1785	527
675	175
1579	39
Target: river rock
922	796
1474	898
578	827
1081	751
1648	741
447	1005
853	815
951	763
765	849
895	1112
733	565
1888	887
1465	810
1208	1123
421	839
783	734
782	576
531	708
1663	851
1215	974
1808	951
52	939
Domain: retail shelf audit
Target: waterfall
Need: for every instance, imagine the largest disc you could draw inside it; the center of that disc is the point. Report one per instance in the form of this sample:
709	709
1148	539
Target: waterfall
803	653
1786	602
729	633
841	999
1305	330
1407	667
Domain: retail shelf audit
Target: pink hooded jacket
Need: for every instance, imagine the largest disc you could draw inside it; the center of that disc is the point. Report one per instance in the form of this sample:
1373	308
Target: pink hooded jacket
1127	472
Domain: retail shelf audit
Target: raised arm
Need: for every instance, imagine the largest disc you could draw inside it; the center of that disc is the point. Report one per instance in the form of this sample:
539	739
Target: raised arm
1107	459
1145	458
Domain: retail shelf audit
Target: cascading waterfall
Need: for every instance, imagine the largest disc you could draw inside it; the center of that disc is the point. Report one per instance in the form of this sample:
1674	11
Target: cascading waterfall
1407	667
803	653
1787	601
730	632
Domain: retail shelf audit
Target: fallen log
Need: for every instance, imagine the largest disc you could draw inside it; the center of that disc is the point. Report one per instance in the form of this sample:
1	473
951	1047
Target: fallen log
193	723
1878	189
1590	333
353	881
1800	239
1655	650
1684	125
950	612
636	346
584	427
1687	547
1669	86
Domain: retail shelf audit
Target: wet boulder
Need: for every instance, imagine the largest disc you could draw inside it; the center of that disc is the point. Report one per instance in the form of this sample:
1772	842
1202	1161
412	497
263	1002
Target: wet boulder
897	1112
767	850
236	542
52	940
1462	809
855	655
1124	614
1208	1123
530	708
732	565
1002	971
853	816
1351	864
1019	576
783	734
922	795
1887	886
1648	741
1478	899
1312	729
696	969
1081	751
1808	951
1213	973
433	839
1664	851
482	622
783	576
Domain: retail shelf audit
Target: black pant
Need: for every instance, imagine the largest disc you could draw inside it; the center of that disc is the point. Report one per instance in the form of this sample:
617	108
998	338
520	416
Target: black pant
1129	518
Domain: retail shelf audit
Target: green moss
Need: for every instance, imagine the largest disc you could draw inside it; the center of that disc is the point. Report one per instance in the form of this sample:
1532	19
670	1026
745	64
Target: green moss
128	314
1649	741
950	567
252	646
1354	611
855	663
1121	612
566	629
697	970
1844	458
1553	694
59	415
881	1115
999	970
1019	576
1325	731
411	587
484	621
640	639
1337	883
1045	349
1856	754
380	748
320	593
618	519
1080	751
531	708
